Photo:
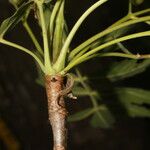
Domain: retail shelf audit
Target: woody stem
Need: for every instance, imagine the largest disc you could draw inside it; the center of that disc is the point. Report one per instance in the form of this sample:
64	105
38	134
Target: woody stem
56	110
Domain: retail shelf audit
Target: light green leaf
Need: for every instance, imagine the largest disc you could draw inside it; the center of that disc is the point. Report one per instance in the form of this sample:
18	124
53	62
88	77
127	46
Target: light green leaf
11	22
102	118
126	68
81	115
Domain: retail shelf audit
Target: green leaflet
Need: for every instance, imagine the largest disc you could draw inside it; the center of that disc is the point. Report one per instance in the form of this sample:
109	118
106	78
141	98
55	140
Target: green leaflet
116	34
120	32
11	22
126	68
113	35
102	118
101	115
80	91
138	111
133	96
81	115
134	100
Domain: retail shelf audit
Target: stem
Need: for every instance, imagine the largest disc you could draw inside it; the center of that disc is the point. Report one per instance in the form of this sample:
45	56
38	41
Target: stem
48	67
123	48
32	36
56	110
130	7
62	57
105	32
96	107
95	50
129	16
58	32
141	12
132	56
122	20
53	17
24	50
87	88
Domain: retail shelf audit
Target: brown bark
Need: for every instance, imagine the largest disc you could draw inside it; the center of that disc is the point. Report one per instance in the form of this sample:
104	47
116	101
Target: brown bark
56	110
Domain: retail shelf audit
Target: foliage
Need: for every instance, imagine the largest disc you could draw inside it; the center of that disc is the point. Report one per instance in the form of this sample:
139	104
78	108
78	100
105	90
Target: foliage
133	100
57	57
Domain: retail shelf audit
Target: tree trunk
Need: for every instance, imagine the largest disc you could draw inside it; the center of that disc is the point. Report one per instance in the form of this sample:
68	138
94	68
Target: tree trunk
56	110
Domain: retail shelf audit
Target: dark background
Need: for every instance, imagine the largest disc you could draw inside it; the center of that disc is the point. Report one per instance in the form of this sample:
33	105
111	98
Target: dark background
23	106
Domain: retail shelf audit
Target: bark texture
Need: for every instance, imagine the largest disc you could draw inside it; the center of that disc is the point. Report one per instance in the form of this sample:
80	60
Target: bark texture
57	111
